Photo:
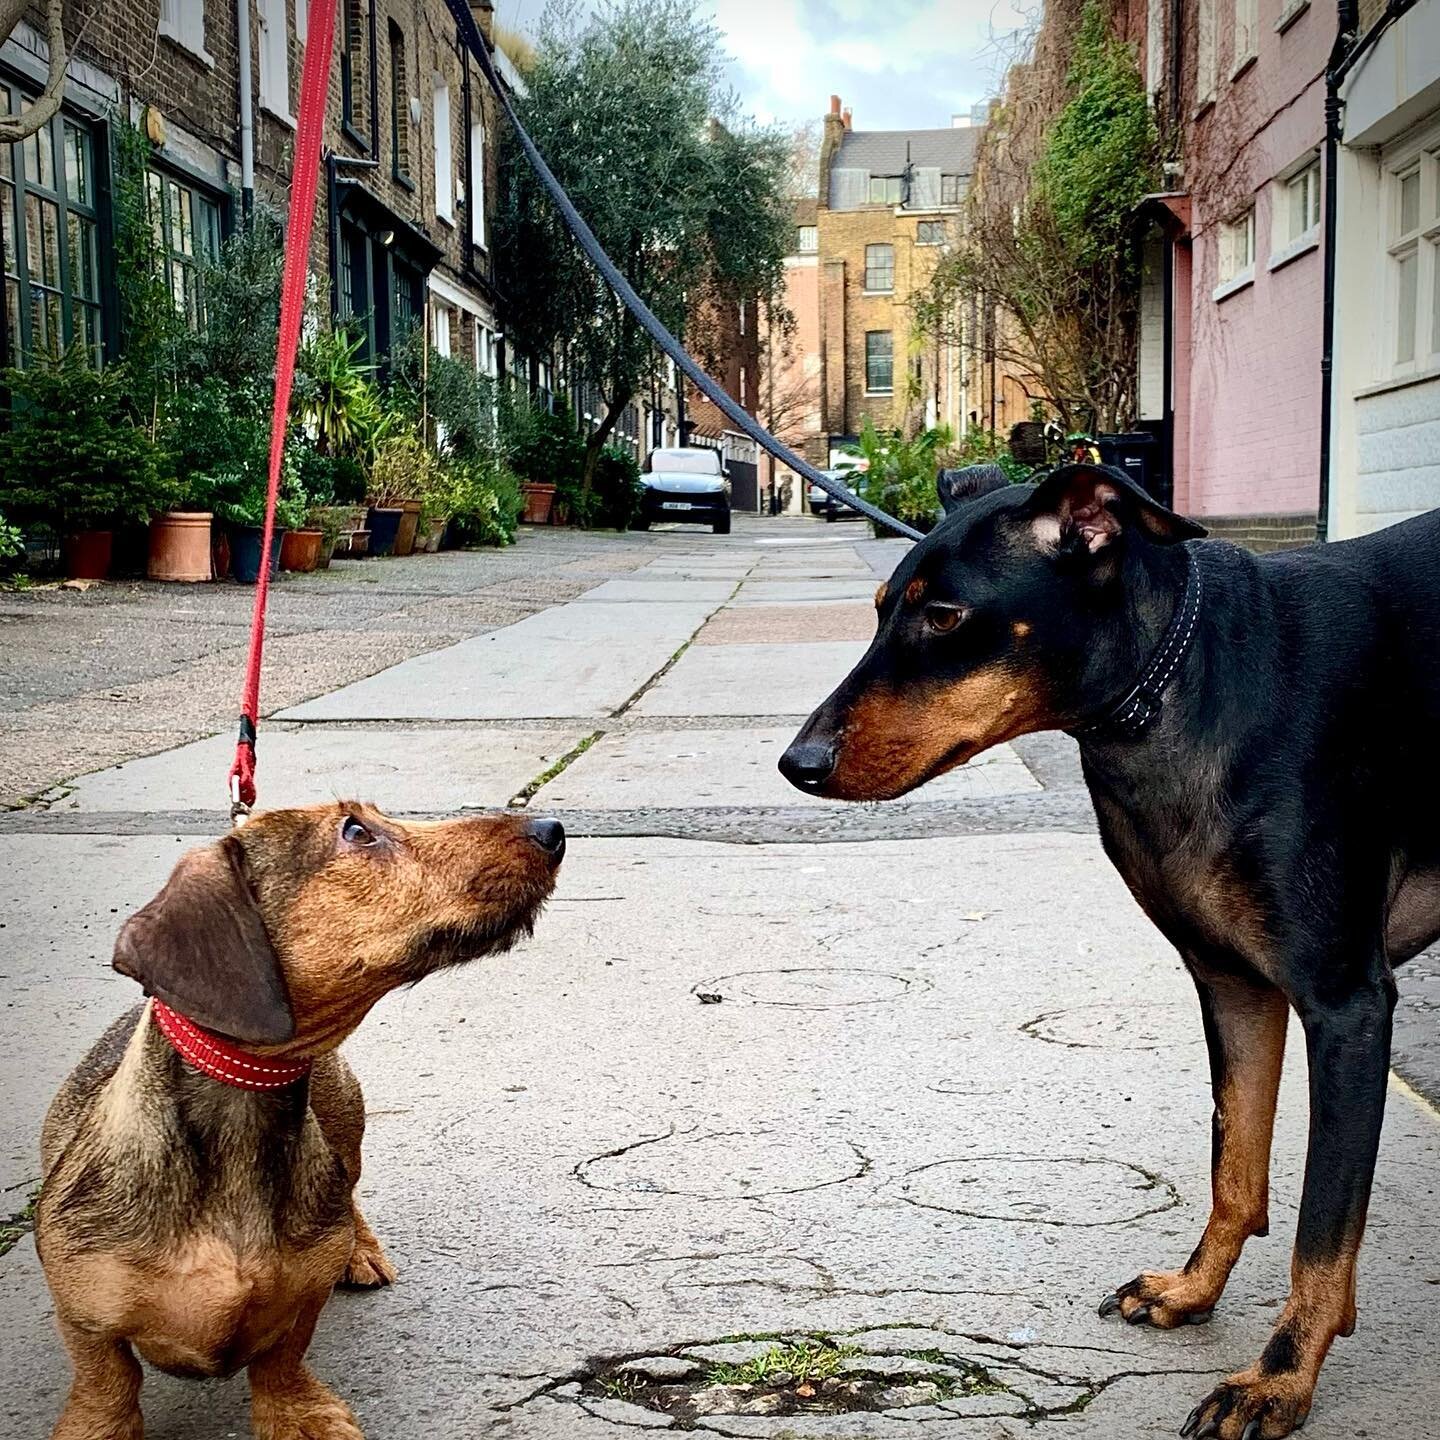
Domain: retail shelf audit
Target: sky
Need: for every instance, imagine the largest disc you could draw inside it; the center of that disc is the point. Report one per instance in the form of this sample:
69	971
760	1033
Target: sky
898	64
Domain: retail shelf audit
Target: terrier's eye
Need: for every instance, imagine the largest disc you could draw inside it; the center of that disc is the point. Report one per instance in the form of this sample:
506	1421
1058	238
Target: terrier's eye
942	619
352	832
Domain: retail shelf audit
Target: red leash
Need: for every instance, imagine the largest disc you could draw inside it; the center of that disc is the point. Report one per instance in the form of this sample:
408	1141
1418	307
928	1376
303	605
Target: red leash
314	85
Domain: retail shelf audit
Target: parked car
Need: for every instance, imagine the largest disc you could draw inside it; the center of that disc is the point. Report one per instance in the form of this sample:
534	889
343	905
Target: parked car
823	503
686	484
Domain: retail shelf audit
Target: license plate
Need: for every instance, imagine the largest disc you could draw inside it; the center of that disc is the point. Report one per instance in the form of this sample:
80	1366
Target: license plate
676	505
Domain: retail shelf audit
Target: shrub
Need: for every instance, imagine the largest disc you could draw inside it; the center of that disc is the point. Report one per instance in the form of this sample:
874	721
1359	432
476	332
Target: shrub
456	400
901	474
12	544
73	457
618	488
336	398
539	446
485	501
405	468
982	447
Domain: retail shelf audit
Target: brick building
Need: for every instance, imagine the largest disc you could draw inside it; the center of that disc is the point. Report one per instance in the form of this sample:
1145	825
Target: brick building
403	217
888	203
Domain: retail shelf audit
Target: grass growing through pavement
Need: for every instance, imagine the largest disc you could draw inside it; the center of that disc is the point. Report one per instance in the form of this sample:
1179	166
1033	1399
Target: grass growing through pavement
546	776
806	1360
20	1223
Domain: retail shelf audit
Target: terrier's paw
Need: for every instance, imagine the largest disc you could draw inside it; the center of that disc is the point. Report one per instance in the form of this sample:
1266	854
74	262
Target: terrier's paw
313	1412
1164	1299
1251	1406
369	1267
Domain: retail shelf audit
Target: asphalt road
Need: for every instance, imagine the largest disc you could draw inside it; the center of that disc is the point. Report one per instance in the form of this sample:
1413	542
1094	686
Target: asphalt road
953	1091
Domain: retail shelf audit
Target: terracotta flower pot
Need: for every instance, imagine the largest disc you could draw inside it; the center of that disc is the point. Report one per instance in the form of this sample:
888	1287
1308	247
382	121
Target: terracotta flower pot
180	546
409	524
539	499
87	554
300	549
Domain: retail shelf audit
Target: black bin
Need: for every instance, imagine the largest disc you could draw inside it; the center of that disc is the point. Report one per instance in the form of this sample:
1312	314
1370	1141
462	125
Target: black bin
1138	455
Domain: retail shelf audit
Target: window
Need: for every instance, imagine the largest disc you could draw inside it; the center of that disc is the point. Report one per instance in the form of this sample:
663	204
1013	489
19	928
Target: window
880	268
1247	27
399	106
879	362
440	321
930	232
302	19
807	239
952	189
485	350
186	223
885	189
274	59
1237	252
475	191
1300	212
444	162
51	238
1406	255
354	64
183	21
1205	65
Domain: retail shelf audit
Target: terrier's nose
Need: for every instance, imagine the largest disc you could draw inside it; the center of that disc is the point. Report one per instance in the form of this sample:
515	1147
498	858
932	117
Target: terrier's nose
549	835
808	764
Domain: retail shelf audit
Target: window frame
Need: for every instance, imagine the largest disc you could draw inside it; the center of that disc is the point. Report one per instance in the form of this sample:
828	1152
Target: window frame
1419	245
801	232
1244	36
475	184
184	26
357	53
444	155
1230	277
924	227
273	55
17	188
1287	244
874	358
955	186
1207	54
873	269
184	272
895	182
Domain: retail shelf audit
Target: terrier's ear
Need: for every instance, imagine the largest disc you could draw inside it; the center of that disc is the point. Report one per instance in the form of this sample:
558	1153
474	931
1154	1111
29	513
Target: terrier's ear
1097	503
201	946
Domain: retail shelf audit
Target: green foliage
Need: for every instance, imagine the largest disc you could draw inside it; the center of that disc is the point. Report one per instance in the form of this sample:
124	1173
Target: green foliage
336	398
73	457
982	447
12	543
901	474
618	489
541	446
484	501
618	102
242	308
803	1361
404	468
220	437
458	401
1101	154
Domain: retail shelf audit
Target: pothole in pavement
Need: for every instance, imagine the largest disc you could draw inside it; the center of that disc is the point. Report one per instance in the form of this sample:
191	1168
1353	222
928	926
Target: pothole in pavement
813	987
785	1375
741	1165
1146	1025
1040	1190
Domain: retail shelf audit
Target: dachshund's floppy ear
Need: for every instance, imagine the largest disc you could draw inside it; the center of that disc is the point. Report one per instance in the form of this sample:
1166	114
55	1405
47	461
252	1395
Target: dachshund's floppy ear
1097	503
201	946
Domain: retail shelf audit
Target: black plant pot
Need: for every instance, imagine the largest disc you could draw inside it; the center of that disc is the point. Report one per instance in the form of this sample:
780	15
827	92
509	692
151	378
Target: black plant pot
245	541
384	527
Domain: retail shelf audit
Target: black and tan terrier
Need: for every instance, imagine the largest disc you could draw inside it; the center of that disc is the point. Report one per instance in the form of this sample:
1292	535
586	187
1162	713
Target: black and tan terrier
200	1165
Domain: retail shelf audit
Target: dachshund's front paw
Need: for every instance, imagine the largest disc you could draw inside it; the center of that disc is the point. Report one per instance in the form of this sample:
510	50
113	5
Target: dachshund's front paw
1251	1406
1164	1299
307	1410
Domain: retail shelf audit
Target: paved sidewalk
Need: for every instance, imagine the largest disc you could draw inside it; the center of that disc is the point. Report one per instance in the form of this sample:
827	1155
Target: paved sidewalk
954	1090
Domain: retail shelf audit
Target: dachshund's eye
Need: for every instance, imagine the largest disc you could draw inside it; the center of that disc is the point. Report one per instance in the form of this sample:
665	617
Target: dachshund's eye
942	619
352	832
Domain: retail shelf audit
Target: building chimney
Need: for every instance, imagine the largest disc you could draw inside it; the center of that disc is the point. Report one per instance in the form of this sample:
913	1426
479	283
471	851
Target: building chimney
484	13
846	118
832	132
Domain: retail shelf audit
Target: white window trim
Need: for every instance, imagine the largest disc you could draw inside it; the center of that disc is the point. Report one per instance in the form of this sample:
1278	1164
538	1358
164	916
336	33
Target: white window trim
1289	14
273	101
1300	245
1245	58
302	19
444	154
1206	84
1242	279
1284	249
475	185
189	37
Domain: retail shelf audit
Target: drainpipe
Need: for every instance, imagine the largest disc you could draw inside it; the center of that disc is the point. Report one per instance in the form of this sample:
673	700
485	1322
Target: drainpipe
247	112
1344	57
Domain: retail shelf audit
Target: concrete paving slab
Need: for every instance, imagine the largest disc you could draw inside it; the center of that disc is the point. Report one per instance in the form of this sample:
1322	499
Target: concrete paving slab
804	592
577	659
662	590
785	624
569	1156
397	768
751	679
699	768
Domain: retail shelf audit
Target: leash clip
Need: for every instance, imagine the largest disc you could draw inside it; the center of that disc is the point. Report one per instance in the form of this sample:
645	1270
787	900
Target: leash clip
239	810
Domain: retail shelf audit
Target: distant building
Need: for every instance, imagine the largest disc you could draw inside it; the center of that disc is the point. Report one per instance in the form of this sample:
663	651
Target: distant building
889	202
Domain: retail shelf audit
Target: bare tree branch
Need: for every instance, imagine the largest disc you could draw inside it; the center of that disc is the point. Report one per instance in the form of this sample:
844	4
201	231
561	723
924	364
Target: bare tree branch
40	114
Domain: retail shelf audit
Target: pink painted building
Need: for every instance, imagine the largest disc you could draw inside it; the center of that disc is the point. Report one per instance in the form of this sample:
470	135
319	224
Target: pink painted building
1231	299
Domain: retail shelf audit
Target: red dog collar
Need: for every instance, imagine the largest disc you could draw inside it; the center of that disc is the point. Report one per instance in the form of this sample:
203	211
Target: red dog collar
216	1057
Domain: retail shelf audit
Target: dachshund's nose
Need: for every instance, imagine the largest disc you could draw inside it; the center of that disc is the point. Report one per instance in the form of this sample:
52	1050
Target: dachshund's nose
549	835
808	764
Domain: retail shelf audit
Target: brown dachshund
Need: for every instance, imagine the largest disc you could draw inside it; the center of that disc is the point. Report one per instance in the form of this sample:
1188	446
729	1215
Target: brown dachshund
200	1165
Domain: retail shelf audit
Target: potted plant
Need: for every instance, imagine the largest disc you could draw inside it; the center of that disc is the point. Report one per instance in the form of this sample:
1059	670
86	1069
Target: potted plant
244	517
179	547
404	470
73	459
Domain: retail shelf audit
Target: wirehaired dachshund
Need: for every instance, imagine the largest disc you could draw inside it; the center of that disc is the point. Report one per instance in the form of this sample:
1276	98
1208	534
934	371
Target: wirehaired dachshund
200	1164
1258	734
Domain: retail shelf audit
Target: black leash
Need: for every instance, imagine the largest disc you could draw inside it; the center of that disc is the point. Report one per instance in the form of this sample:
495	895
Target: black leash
744	422
1132	714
